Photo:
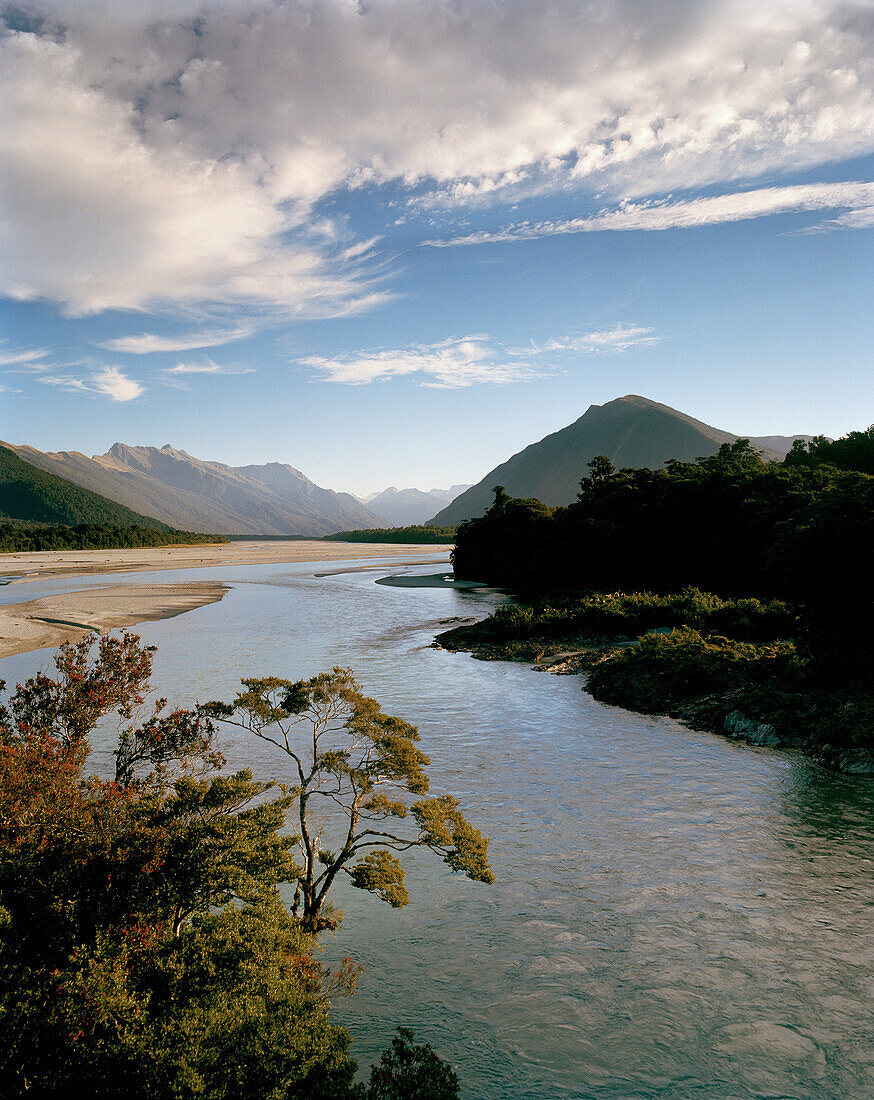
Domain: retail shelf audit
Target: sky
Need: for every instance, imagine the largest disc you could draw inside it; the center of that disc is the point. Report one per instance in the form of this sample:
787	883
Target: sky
392	242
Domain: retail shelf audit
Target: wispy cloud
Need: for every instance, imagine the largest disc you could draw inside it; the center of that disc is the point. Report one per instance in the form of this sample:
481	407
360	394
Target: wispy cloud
617	339
26	358
148	343
471	360
449	364
207	366
669	213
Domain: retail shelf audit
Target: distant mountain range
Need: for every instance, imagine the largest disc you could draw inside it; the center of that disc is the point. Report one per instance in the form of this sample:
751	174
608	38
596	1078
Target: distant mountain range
631	431
404	507
168	487
186	492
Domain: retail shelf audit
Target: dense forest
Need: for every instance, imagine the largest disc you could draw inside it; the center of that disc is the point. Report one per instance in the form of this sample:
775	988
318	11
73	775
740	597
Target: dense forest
796	537
414	534
26	538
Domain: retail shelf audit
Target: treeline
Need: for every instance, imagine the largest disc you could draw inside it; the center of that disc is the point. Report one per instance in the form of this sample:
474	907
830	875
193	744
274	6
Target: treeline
414	534
21	538
800	532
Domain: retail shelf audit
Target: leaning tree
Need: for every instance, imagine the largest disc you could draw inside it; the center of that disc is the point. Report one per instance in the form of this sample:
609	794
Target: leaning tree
355	766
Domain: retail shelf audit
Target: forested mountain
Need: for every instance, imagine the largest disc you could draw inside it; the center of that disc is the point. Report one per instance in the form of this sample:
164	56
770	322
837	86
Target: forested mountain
32	495
404	507
184	491
631	431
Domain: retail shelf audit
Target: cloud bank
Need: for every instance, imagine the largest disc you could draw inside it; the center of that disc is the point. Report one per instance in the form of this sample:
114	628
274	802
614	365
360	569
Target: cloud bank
179	154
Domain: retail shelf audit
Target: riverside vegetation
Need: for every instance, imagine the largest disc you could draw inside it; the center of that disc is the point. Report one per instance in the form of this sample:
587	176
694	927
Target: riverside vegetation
145	948
730	592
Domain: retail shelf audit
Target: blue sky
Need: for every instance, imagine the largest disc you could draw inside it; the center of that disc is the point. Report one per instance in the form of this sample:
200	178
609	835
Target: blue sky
395	242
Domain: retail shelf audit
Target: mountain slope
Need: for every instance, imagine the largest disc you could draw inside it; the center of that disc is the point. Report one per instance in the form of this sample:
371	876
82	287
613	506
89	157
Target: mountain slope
403	507
188	492
32	495
631	431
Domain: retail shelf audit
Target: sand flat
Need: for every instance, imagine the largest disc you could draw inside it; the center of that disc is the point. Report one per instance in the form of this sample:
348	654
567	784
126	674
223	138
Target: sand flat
53	563
67	618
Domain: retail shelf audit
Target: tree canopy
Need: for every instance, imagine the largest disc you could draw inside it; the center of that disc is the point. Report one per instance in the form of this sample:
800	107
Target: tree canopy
352	759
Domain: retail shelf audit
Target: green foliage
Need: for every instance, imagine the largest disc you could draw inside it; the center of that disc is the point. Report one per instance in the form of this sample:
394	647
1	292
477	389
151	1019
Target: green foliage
352	758
663	671
854	451
411	1072
413	534
25	539
144	952
35	496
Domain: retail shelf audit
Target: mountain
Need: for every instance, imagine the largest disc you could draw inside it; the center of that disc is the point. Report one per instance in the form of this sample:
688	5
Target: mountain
779	445
197	495
404	507
32	495
631	431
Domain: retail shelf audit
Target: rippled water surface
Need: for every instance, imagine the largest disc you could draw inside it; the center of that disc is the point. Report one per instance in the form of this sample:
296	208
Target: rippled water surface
674	915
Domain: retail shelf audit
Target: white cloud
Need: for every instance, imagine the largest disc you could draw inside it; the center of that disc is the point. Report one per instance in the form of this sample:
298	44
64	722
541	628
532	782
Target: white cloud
471	360
174	153
692	213
617	339
116	385
207	367
148	343
27	358
447	365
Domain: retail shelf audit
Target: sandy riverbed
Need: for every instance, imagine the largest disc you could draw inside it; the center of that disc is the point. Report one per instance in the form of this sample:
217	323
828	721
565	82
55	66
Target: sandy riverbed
71	616
51	563
48	621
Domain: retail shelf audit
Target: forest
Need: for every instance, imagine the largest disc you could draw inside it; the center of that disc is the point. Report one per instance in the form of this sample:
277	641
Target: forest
748	584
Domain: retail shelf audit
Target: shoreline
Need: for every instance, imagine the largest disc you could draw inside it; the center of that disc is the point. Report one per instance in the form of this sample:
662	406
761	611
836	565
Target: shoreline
46	622
23	567
51	620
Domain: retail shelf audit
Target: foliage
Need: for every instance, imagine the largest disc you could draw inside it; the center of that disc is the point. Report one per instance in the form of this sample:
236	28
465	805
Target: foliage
144	951
413	534
15	538
36	496
410	1072
665	670
593	615
356	761
855	451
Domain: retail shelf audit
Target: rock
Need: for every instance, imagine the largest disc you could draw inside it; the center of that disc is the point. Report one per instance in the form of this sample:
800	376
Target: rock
737	725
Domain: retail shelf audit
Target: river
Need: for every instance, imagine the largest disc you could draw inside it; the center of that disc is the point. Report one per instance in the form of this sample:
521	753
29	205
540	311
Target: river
675	915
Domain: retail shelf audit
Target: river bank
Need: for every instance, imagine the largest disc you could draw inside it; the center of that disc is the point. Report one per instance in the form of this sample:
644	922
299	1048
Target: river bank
51	620
50	563
759	692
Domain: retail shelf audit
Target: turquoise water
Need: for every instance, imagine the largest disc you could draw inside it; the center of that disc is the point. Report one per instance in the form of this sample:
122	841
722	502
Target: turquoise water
675	915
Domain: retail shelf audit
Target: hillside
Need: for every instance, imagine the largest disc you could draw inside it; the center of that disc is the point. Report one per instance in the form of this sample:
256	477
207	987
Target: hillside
631	431
31	495
188	492
407	507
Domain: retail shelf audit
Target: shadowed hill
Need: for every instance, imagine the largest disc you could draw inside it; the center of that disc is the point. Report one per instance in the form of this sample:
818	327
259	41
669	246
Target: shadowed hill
31	495
631	431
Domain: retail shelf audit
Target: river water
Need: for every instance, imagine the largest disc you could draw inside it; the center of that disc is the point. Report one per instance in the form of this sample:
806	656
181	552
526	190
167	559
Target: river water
675	915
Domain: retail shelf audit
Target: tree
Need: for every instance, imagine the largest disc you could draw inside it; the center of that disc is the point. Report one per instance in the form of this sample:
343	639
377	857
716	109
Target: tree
144	950
601	470
359	763
411	1072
